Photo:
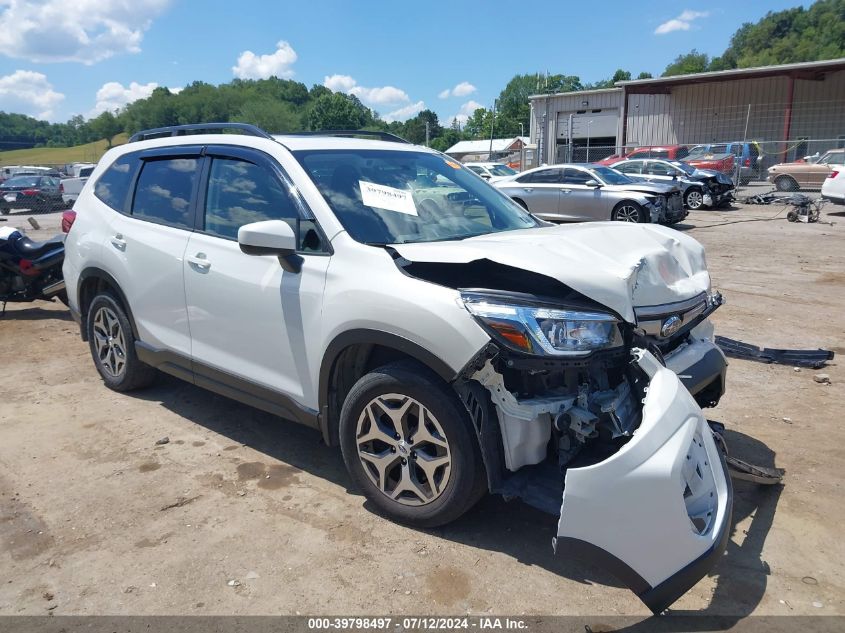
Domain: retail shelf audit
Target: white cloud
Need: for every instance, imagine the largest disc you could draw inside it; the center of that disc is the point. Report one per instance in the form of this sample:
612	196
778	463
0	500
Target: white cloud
681	23
113	95
86	31
28	92
405	112
275	64
461	90
385	95
466	111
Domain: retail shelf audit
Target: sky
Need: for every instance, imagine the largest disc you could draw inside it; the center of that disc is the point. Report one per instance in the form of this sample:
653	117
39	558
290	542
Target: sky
59	58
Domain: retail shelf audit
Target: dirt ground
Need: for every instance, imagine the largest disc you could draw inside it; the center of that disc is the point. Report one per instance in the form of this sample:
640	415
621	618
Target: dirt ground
243	513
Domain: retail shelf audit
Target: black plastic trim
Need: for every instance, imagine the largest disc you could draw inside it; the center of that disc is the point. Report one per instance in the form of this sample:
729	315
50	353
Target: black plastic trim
101	274
226	384
370	337
382	136
197	128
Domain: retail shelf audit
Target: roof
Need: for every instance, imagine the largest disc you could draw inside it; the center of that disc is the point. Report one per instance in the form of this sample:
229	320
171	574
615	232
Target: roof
801	70
483	146
311	142
576	92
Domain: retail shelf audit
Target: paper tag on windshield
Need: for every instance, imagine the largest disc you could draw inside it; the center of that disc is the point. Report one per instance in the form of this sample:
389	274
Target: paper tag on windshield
382	197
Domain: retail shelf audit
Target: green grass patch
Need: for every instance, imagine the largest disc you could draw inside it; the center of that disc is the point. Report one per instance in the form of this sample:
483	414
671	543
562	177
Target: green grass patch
88	153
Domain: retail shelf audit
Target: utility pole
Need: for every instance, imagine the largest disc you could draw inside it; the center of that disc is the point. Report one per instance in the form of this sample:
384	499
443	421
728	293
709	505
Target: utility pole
492	125
426	132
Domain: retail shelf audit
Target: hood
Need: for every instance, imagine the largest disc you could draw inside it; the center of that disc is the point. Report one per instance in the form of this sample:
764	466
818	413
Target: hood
616	264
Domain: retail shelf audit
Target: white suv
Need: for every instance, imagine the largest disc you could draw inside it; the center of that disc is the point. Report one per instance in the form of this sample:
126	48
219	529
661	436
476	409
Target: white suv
447	340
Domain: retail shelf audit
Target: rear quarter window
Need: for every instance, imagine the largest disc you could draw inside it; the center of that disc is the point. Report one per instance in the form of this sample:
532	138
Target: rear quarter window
112	187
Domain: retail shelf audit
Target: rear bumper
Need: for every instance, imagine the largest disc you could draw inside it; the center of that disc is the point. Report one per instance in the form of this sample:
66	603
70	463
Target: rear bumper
833	198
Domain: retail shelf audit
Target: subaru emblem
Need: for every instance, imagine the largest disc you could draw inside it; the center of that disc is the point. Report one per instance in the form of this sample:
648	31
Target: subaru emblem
670	326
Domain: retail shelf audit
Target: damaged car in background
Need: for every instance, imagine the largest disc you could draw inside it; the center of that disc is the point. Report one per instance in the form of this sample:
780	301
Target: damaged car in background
447	340
582	192
701	188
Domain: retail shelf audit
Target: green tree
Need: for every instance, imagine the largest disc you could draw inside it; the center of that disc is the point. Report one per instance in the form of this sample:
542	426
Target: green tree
270	115
414	128
106	126
644	75
338	111
688	64
478	124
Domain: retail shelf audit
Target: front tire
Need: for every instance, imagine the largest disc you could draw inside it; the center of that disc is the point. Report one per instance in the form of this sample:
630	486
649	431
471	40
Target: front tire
113	346
410	447
694	198
628	211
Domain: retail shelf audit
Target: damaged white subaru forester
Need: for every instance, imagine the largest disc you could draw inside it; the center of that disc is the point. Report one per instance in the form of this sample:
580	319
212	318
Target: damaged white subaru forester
448	341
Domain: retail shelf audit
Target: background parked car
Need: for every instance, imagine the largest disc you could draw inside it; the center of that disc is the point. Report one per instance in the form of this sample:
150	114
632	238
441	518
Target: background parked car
665	152
805	174
491	171
747	154
700	187
578	192
715	159
38	193
833	187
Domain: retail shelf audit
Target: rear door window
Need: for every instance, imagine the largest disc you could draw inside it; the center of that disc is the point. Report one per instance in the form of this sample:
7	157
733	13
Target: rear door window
631	167
165	190
112	187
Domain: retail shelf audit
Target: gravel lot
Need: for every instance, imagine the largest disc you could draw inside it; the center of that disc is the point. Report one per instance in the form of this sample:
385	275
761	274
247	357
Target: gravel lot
243	513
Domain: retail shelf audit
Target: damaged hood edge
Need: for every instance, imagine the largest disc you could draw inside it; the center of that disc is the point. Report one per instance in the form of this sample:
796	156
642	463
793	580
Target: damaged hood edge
620	265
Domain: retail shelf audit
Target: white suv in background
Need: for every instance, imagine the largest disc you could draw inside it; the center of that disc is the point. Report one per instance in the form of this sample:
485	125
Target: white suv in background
833	187
448	341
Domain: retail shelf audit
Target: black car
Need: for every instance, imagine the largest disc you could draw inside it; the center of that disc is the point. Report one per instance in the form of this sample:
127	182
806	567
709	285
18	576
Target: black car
37	193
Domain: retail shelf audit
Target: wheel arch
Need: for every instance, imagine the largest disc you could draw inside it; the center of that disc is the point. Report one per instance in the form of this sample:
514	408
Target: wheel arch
640	205
354	353
93	281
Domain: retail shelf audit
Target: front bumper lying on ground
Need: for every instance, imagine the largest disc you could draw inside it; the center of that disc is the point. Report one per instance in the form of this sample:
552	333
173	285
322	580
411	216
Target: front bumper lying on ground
658	512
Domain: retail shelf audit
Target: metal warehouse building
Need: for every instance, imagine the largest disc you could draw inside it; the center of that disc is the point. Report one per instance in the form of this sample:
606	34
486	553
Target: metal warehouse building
791	110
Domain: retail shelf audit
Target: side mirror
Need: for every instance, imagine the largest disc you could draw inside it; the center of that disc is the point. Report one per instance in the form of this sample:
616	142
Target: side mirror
485	176
595	184
271	237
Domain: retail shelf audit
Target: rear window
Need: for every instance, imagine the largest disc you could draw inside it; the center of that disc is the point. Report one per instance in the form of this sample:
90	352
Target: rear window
165	190
23	181
112	188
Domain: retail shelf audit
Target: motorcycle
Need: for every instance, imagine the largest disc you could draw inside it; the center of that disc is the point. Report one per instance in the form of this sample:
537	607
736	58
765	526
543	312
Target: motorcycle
30	270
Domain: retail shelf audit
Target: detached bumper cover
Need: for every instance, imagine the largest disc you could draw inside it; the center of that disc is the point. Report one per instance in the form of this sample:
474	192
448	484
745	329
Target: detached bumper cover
658	512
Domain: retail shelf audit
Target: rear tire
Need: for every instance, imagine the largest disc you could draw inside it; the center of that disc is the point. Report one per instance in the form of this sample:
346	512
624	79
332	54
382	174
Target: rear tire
113	346
628	211
786	183
409	446
5	210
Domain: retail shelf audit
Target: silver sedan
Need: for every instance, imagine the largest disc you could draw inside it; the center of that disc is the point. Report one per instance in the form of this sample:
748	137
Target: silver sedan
579	192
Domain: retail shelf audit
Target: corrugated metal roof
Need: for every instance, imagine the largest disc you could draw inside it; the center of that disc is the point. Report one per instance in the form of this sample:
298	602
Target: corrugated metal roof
758	71
576	92
483	146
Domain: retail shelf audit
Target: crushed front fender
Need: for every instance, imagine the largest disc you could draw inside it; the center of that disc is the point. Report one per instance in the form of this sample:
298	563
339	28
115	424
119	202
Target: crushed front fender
657	512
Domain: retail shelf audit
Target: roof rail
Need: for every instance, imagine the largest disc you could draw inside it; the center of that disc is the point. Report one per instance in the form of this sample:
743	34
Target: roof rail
198	128
382	136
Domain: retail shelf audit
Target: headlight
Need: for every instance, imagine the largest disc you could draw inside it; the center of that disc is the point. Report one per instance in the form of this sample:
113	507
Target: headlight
542	330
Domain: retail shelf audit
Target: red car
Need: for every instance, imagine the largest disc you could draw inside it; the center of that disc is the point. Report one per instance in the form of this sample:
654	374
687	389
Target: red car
702	157
665	152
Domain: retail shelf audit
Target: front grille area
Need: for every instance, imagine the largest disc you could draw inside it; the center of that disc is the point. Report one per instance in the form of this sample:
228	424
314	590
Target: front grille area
699	486
651	318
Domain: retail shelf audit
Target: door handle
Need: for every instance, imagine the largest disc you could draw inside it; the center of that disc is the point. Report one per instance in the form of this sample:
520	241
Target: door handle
528	189
566	190
199	262
118	242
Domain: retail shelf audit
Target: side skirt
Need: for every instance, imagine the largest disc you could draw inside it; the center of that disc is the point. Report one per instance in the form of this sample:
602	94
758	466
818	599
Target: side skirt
227	384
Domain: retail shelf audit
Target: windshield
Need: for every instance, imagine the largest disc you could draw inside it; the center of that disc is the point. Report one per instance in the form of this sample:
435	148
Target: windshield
685	167
501	170
396	197
610	176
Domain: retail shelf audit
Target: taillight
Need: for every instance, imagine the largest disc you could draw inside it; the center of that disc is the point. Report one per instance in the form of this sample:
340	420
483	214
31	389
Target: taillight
68	218
833	174
61	188
748	162
30	192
